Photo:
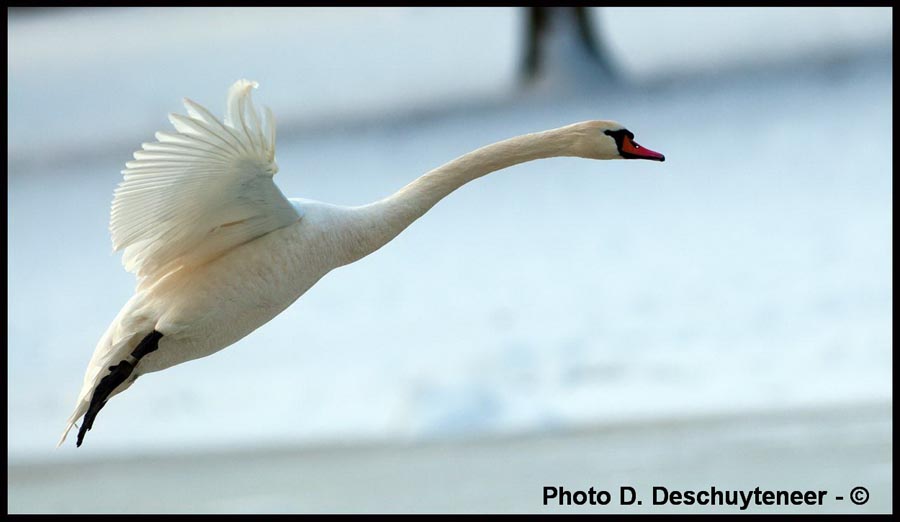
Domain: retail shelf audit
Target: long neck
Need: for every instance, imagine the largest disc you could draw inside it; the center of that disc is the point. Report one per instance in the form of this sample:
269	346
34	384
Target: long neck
376	224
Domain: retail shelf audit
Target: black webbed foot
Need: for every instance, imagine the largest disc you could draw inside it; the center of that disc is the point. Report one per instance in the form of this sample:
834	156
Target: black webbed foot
117	375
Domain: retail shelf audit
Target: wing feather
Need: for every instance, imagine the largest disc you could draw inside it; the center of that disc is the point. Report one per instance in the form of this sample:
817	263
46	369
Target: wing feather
194	194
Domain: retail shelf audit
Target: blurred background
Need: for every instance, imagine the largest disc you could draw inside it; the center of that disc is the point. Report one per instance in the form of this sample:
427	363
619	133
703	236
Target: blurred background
723	318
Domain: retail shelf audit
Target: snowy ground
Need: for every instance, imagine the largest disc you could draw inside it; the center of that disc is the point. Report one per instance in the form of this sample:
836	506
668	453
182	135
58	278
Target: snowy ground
833	451
750	271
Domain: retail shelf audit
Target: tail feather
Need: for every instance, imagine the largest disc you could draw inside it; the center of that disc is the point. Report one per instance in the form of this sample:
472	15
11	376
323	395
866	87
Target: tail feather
79	411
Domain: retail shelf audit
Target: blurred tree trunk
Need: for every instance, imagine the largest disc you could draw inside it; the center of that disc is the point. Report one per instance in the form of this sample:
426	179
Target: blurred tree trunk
564	34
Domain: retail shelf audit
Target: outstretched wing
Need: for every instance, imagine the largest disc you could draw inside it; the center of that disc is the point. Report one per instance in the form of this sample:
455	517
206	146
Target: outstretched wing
194	194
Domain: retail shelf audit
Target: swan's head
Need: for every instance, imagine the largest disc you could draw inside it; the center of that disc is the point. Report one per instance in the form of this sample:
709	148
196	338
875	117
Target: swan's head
609	140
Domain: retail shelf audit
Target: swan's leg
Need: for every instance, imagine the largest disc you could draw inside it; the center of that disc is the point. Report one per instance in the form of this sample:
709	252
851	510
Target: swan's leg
117	375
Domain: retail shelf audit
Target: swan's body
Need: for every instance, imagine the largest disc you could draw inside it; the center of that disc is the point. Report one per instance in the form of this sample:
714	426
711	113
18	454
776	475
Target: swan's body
219	251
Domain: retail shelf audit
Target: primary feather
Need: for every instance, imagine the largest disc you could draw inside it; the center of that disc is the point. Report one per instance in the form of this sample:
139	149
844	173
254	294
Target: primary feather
195	194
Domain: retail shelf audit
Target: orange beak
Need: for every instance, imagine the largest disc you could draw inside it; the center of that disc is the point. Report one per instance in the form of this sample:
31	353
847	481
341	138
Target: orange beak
640	152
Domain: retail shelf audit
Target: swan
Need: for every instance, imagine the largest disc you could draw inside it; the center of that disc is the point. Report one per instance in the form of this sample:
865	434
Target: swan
218	250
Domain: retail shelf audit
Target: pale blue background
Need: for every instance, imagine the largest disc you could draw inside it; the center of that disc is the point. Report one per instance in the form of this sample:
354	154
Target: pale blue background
751	271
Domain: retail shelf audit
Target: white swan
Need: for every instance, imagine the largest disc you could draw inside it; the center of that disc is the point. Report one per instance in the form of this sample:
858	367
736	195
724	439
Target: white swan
218	250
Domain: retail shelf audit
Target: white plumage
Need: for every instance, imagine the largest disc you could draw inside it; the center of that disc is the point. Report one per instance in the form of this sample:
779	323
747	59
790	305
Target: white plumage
219	251
195	194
